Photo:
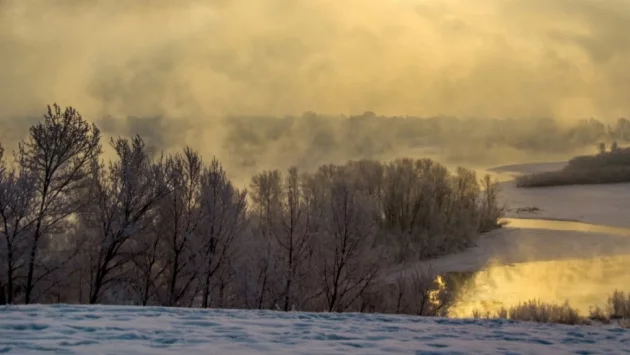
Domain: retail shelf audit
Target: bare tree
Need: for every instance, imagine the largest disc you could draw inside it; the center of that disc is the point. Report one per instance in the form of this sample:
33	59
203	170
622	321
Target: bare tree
414	200
181	215
428	295
17	197
463	211
59	152
490	211
416	290
267	194
125	194
370	176
3	297
293	237
149	263
348	266
225	218
16	192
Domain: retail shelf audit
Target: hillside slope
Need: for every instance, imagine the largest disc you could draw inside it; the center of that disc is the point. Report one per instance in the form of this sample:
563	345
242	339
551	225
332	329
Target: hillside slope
64	329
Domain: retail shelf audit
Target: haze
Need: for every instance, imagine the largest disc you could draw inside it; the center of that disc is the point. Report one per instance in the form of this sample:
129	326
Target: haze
195	58
193	61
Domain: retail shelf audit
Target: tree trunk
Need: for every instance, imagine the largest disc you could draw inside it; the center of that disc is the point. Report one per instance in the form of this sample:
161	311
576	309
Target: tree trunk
173	281
36	236
31	269
9	286
3	299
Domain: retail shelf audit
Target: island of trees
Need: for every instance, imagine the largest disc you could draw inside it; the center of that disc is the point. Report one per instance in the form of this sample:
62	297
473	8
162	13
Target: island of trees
607	167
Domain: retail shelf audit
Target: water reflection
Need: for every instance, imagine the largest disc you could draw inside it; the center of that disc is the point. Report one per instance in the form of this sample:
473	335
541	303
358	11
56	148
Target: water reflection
584	282
561	225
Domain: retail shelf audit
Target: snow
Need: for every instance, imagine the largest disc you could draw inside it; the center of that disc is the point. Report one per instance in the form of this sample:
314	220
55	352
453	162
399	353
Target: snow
594	204
529	168
67	329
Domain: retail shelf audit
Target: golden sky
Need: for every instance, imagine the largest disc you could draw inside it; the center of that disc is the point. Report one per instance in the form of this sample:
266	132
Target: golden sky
191	59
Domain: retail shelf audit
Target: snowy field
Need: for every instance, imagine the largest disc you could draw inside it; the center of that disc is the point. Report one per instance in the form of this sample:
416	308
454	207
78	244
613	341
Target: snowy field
63	329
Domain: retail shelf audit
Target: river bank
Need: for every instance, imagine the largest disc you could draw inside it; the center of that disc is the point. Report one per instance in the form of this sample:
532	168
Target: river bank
559	243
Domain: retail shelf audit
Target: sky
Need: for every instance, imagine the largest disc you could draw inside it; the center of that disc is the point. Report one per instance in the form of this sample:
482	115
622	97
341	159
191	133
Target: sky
192	60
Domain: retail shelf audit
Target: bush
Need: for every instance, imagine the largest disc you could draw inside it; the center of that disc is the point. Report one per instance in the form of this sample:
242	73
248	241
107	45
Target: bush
617	308
599	315
619	305
536	311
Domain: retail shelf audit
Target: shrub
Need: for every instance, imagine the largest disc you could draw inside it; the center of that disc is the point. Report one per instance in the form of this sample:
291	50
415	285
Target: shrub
619	305
617	308
598	314
536	311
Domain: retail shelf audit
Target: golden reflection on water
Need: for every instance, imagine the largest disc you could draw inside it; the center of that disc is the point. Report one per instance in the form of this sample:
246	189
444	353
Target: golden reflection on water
583	282
560	225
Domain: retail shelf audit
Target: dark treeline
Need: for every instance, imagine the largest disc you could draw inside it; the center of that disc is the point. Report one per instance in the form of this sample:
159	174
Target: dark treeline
607	167
173	230
248	144
261	141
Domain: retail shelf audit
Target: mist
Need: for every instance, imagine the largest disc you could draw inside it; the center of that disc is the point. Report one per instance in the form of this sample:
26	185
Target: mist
176	72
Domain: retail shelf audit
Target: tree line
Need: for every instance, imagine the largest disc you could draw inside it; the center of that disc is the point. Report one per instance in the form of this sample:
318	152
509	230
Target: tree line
311	138
607	167
173	230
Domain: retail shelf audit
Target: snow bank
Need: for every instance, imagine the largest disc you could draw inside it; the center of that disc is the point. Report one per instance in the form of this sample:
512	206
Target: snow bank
64	329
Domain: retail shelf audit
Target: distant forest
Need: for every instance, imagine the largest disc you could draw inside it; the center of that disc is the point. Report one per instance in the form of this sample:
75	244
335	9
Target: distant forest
313	139
151	228
248	144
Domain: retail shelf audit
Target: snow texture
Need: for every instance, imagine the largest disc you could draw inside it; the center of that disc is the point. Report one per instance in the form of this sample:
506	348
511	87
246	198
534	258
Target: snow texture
66	329
595	204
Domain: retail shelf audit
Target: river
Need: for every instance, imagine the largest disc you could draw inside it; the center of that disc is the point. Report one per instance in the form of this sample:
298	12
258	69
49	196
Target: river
584	282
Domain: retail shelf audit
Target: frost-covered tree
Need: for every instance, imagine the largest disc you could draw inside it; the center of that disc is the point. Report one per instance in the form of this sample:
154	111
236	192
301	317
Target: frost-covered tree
490	210
224	223
16	217
180	217
59	153
17	198
347	263
293	238
415	204
125	195
266	194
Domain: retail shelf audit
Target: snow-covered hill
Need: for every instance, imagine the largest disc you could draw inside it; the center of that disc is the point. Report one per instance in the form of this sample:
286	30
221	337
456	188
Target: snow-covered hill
93	330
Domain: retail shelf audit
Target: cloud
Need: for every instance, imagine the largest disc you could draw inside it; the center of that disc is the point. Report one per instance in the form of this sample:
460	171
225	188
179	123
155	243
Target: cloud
192	61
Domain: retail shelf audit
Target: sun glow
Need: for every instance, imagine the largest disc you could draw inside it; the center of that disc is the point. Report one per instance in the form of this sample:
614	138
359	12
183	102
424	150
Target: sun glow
585	283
